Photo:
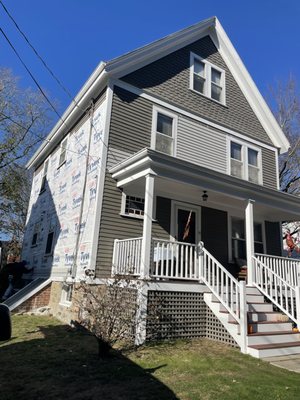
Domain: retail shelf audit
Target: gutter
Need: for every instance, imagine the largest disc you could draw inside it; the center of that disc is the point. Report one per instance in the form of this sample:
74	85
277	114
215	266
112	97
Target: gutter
77	107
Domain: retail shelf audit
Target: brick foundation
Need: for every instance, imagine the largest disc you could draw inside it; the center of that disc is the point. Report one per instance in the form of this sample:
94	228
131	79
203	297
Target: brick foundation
40	299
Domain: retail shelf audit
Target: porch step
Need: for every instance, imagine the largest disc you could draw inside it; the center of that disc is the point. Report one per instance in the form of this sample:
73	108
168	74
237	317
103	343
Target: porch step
270	326
273	338
251	298
253	307
264	316
272	350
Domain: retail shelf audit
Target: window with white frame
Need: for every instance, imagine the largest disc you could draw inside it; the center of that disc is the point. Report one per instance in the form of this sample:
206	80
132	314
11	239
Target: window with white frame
63	152
44	178
164	126
66	295
245	162
207	79
133	206
238	238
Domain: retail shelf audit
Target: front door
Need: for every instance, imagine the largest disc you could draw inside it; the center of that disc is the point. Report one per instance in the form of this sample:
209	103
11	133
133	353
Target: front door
186	223
185	233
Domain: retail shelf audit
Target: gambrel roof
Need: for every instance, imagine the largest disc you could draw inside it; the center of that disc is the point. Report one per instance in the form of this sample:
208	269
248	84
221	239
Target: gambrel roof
134	60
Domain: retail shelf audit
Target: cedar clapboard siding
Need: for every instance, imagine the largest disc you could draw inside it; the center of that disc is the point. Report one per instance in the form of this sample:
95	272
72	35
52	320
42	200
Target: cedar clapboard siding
269	168
202	145
169	79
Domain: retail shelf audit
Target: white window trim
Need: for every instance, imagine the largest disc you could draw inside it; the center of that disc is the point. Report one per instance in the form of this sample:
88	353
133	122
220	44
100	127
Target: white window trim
65	140
163	111
207	73
245	165
229	224
123	206
63	298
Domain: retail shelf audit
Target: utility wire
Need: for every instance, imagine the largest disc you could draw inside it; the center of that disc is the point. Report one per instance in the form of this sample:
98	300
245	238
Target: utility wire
39	86
39	56
31	75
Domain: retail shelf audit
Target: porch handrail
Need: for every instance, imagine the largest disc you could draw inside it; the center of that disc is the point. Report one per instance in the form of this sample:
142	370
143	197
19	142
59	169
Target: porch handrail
276	288
221	283
174	260
127	256
287	268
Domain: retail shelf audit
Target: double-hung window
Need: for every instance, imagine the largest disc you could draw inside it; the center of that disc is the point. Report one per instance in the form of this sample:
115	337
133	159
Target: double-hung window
164	125
207	79
44	179
63	152
245	162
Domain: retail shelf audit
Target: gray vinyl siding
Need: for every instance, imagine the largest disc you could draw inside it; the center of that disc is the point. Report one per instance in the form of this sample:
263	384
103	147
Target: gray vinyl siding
130	127
201	145
269	168
168	78
113	226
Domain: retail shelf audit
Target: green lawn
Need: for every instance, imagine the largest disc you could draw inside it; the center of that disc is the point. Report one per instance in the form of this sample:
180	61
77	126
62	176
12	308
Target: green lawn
47	360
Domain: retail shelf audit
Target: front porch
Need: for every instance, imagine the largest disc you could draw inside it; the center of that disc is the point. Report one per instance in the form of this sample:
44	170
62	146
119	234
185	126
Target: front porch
189	237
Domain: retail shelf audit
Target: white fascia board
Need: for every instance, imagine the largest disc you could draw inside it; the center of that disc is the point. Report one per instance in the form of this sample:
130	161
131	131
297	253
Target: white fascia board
175	169
144	55
72	113
249	88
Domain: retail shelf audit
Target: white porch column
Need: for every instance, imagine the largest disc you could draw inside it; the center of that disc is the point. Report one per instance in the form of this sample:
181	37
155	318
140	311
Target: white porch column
147	226
249	240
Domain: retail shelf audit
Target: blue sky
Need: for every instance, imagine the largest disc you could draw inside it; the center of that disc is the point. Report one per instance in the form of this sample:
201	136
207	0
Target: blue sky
73	36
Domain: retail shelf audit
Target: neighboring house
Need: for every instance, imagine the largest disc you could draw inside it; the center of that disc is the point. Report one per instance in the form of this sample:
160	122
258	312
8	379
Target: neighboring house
165	168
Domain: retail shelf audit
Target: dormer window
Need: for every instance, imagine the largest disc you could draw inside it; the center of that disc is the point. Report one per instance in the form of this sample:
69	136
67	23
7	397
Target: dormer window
207	79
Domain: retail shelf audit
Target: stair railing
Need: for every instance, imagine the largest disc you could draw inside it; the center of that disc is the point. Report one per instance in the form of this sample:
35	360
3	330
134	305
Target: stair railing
277	287
229	292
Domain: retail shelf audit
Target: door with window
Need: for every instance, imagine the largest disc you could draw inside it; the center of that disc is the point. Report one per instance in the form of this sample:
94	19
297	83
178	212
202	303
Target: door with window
186	233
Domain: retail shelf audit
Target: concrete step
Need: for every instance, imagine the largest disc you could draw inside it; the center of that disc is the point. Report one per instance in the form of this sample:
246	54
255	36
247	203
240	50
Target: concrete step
270	326
265	316
272	350
273	337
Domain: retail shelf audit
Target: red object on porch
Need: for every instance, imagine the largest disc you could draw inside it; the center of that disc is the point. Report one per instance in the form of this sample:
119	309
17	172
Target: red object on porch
291	244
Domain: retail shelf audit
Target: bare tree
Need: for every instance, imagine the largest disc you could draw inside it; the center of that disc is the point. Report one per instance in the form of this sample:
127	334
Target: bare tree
285	102
108	312
24	118
286	107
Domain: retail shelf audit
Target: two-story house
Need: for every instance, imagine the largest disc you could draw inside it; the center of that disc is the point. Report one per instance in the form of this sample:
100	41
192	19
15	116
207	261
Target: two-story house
165	169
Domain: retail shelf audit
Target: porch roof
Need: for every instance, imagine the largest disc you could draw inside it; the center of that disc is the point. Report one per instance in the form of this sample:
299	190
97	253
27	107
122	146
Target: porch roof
282	206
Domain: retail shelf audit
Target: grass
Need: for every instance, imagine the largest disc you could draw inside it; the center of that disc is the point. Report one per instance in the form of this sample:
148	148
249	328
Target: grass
47	360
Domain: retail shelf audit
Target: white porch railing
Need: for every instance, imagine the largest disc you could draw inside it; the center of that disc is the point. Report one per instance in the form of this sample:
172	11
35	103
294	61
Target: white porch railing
127	256
174	260
278	284
287	268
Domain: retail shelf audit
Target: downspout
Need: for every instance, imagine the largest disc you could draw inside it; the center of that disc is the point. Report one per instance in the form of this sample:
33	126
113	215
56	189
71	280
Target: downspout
73	271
